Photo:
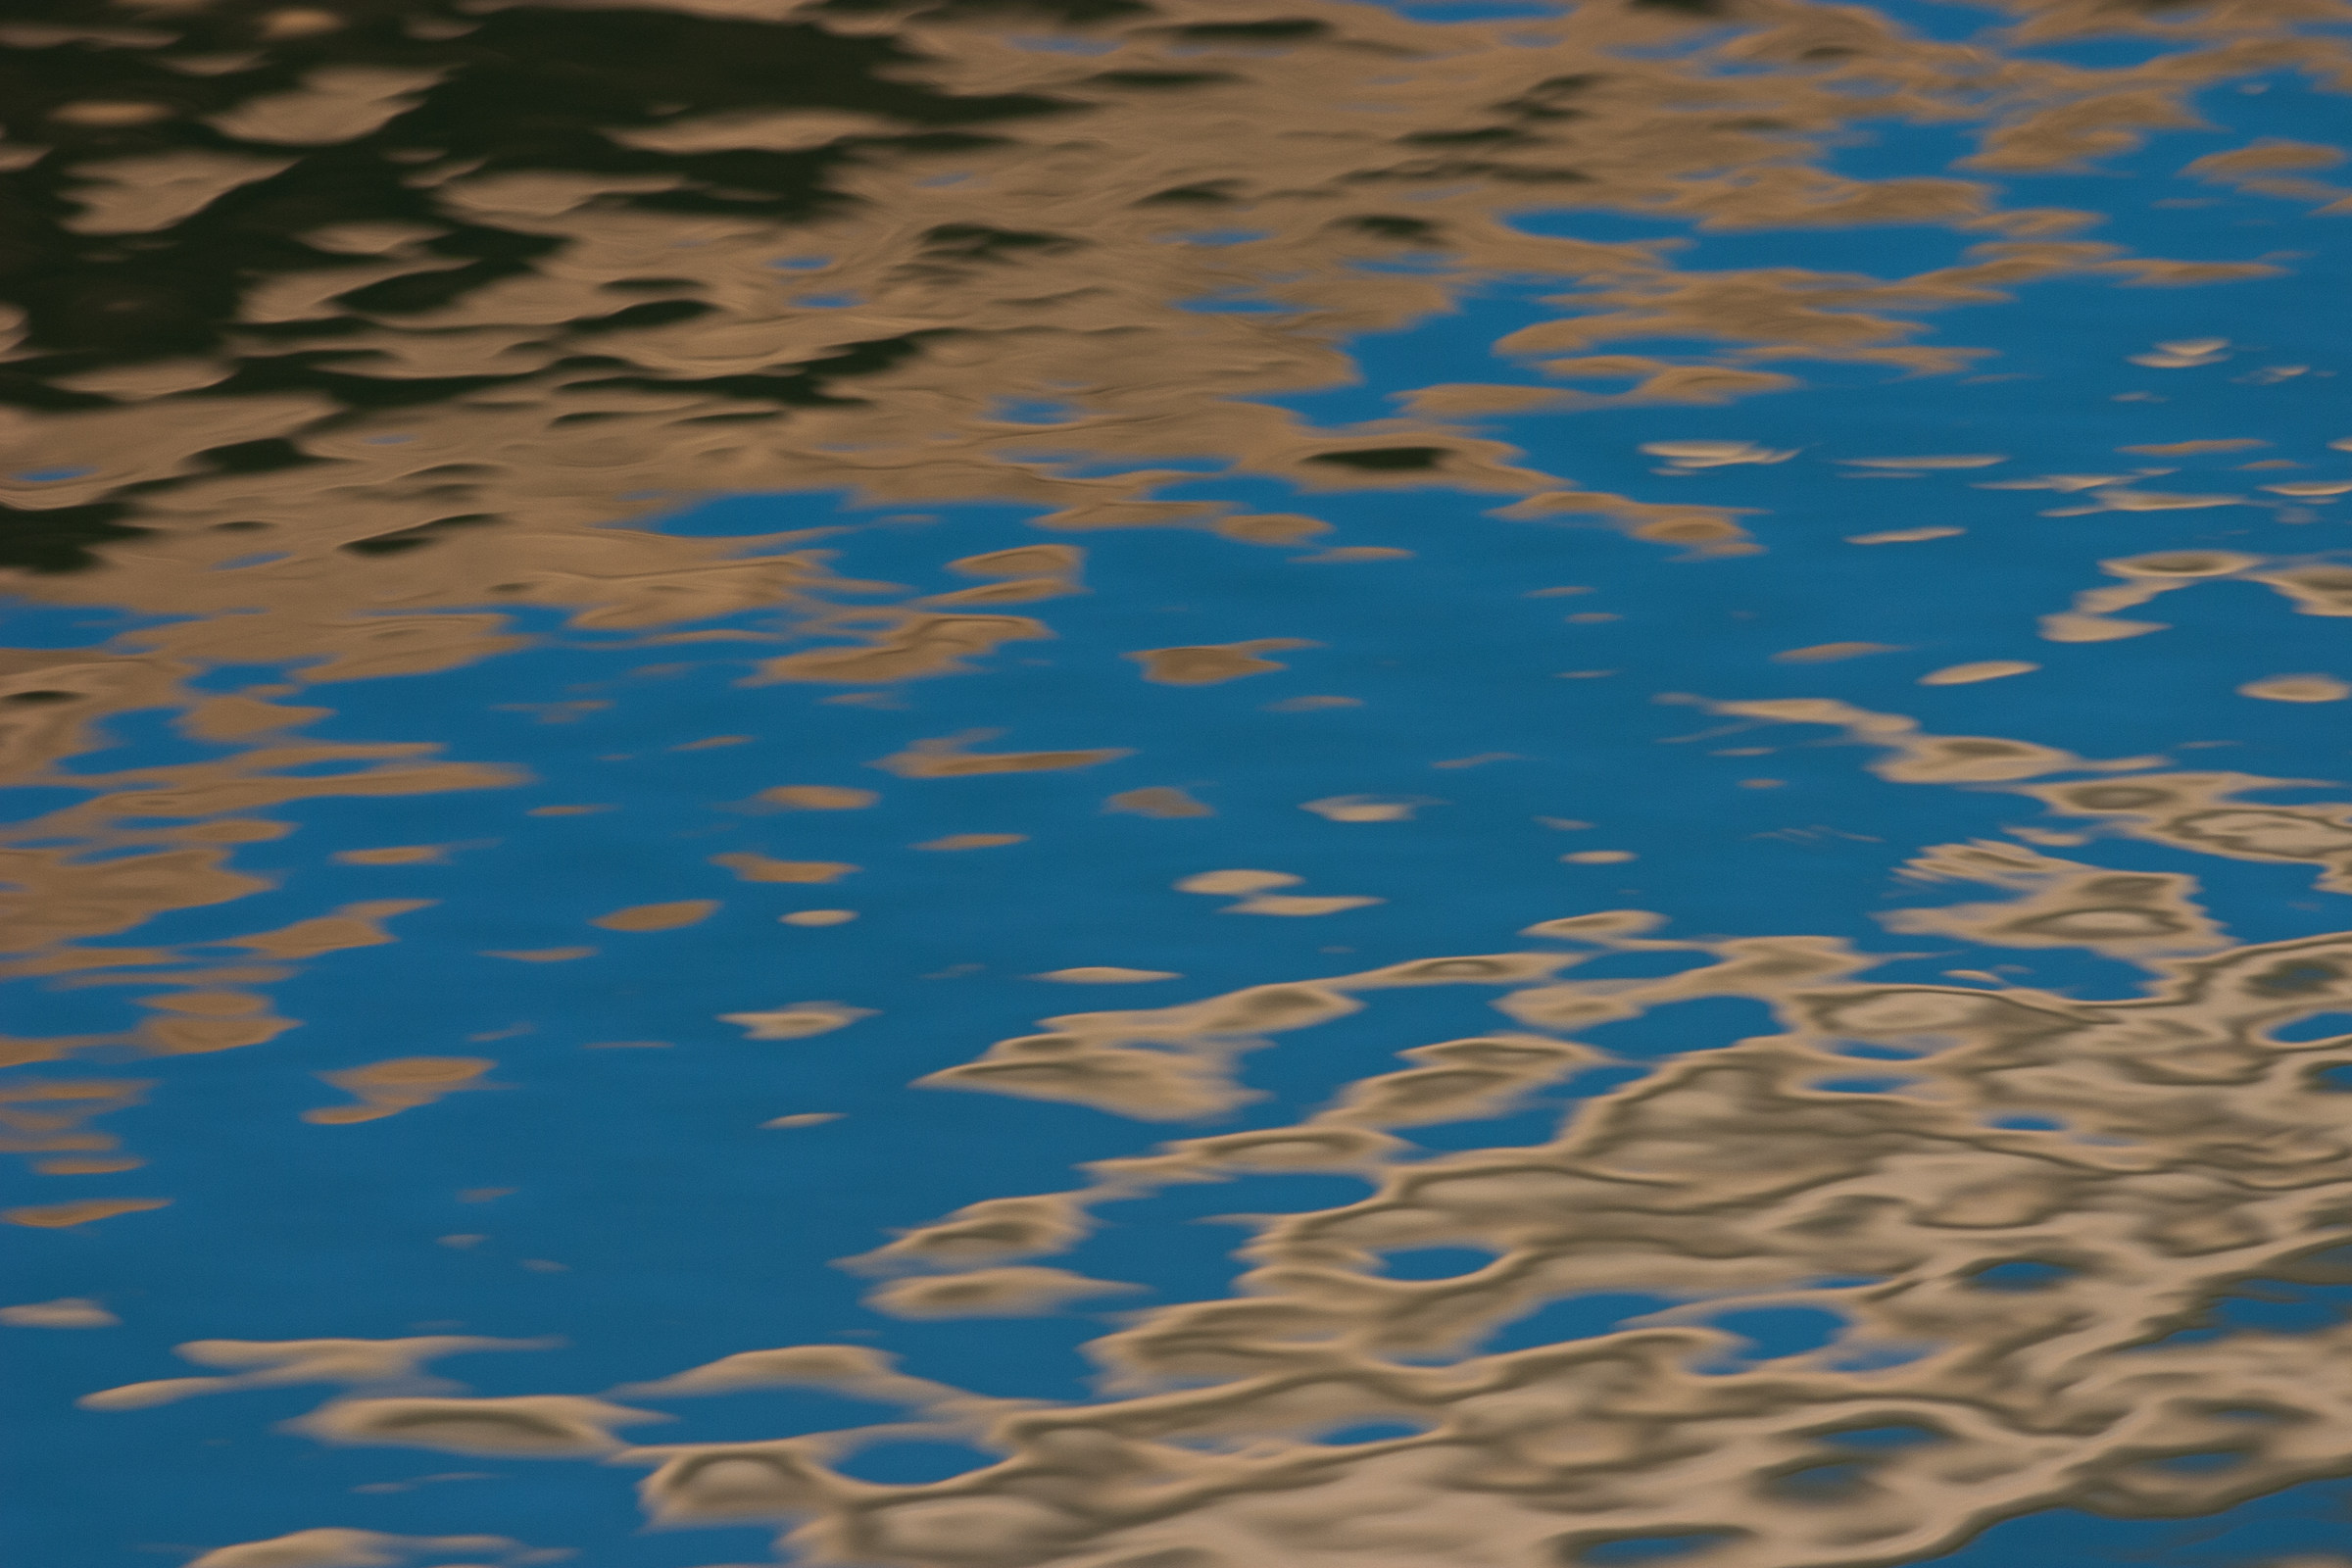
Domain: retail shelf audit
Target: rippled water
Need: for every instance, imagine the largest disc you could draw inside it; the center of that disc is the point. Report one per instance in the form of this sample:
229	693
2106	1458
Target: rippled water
1177	784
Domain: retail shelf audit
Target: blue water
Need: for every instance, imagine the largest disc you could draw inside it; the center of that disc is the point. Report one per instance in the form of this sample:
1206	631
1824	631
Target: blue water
678	1229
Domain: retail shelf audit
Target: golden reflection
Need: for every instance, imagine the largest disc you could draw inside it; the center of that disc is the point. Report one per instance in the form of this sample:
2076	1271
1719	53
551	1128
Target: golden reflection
1983	669
1011	1291
1745	1174
389	1088
660	916
797	1021
914	645
360	1548
1030	263
1106	975
376	1364
47	1117
1206	667
65	1312
2297	689
1826	652
396	855
1368	808
57	1216
760	868
949	758
361	447
818	798
1158	800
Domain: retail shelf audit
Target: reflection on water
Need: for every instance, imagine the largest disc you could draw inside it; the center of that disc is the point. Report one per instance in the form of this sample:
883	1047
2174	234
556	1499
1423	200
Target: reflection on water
605	600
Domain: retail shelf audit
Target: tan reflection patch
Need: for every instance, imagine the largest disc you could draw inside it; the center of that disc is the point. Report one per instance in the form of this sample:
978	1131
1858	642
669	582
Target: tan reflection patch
1296	905
760	868
195	1036
232	832
974	841
1460	1080
1970	674
541	954
1206	665
1824	653
1703	383
1024	561
2264	157
58	1216
51	1117
1106	975
63	901
2072	628
2297	689
2191	449
1011	1291
818	798
260	1364
1347	553
1020	591
1273	528
1969	461
65	1312
235	717
207	1021
660	916
1368	808
1105	1059
16	1051
2066	903
210	1004
1158	800
1714	454
550	1425
797	1021
919	645
2145	501
64	963
948	759
1707	530
389	1088
857	1370
1220	882
397	854
2313	588
245	784
1920	759
1440	402
1903	536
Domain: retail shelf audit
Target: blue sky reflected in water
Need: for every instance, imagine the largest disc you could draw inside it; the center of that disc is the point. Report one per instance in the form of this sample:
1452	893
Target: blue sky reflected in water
1475	717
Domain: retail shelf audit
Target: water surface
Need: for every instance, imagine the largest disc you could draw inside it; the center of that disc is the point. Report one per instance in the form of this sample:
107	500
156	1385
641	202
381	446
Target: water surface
1177	785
